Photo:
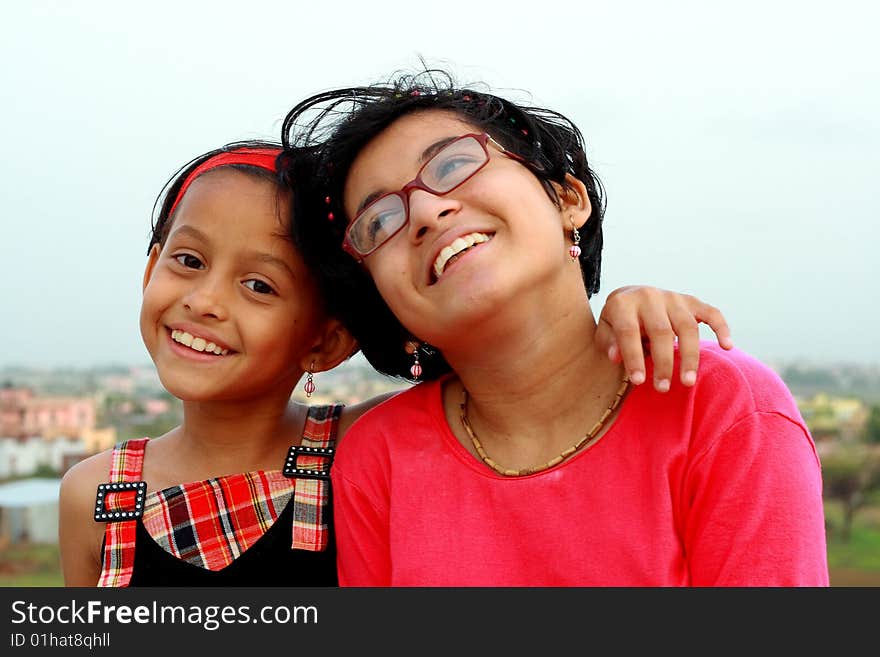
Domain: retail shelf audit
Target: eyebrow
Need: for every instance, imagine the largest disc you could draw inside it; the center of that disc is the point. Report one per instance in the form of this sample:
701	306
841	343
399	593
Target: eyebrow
189	230
426	155
273	260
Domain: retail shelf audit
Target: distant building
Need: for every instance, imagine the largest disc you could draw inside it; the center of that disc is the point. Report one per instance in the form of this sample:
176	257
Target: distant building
830	417
22	457
154	407
23	414
29	511
97	440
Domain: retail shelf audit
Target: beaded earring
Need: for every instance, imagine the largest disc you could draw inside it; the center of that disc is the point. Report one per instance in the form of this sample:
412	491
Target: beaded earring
574	250
416	369
309	387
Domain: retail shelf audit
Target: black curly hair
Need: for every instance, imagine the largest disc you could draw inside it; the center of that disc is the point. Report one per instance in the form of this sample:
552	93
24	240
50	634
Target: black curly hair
322	136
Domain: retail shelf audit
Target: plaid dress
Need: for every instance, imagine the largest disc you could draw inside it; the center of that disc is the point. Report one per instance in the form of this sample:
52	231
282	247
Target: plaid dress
252	529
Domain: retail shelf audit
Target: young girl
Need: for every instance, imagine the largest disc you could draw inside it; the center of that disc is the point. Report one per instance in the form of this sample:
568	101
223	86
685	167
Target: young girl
527	457
238	494
232	319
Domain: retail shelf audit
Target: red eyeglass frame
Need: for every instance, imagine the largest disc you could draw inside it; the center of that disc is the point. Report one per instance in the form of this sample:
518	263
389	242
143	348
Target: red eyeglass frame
483	138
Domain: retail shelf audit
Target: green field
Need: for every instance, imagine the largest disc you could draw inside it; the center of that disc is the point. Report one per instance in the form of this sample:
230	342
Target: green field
35	565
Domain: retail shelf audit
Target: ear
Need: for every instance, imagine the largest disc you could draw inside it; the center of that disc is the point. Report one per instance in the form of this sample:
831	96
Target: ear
151	264
574	202
333	345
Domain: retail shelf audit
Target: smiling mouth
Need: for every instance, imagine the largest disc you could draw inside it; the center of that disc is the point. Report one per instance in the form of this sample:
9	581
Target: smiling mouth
451	253
196	343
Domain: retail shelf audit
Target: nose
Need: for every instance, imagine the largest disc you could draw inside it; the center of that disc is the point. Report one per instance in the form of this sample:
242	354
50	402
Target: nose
427	210
206	299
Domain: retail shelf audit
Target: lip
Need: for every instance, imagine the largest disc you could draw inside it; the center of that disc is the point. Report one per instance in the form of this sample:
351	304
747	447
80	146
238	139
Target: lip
198	331
445	239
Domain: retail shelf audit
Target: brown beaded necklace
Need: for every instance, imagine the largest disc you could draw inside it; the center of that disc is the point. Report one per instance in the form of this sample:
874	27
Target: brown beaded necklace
586	440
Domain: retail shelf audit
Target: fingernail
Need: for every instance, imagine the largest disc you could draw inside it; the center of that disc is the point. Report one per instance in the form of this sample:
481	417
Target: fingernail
612	352
662	385
689	378
637	377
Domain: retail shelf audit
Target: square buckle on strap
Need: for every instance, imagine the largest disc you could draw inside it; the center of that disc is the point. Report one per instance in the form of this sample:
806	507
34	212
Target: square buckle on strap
322	471
103	514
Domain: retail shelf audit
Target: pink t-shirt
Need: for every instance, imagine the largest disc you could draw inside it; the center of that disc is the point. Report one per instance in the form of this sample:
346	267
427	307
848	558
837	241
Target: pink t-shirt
715	485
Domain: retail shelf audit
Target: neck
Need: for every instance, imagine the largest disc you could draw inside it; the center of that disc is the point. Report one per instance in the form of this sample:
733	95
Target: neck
530	355
537	390
239	436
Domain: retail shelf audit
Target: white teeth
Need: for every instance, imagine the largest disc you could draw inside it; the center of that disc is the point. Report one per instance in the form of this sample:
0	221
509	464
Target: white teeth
199	344
459	245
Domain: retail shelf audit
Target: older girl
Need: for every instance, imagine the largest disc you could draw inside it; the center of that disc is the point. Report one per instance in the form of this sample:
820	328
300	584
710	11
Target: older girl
455	218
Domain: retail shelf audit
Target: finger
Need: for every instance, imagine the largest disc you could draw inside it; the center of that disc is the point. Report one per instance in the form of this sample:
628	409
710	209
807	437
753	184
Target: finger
715	319
628	337
605	337
688	331
605	340
661	338
614	353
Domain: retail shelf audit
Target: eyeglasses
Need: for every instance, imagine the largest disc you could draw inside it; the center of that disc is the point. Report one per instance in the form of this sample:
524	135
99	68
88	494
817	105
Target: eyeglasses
452	166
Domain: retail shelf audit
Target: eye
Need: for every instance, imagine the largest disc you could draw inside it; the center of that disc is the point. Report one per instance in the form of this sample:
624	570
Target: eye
378	222
448	166
452	166
189	261
258	286
382	224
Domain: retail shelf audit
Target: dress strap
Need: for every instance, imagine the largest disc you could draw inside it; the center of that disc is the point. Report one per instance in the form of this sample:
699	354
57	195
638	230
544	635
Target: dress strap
311	511
124	505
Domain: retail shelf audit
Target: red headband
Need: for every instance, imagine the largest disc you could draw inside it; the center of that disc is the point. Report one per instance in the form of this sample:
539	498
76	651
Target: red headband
263	158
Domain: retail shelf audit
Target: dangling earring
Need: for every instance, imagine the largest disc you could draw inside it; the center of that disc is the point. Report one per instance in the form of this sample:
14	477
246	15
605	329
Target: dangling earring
416	369
309	387
574	250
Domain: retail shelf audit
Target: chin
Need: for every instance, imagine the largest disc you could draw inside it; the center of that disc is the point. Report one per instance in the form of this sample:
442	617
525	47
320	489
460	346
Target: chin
186	389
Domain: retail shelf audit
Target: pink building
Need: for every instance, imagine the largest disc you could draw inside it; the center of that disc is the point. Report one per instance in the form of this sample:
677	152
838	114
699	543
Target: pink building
156	406
23	414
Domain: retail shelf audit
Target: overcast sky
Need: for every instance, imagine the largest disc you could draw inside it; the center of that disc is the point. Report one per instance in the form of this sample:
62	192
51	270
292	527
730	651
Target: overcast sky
738	144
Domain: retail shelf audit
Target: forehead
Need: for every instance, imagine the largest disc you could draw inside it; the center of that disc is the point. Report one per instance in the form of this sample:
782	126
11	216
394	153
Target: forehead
229	199
396	150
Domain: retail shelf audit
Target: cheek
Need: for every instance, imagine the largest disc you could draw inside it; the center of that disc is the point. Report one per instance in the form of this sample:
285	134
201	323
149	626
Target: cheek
147	321
149	298
392	274
286	332
156	295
